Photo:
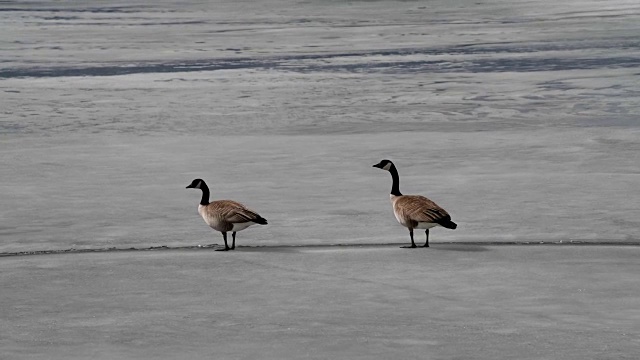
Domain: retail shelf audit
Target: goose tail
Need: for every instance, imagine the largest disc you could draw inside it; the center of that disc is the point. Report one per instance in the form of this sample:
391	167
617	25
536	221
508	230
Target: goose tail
260	220
448	224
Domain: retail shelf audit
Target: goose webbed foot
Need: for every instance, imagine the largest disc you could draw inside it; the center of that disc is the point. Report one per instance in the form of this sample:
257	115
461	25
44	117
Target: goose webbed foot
224	249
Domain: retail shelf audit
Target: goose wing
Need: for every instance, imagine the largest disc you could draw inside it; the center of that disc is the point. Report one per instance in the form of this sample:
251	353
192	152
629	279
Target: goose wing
420	209
233	212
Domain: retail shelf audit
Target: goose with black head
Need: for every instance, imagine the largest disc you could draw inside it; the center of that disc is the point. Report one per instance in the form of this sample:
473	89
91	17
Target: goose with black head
225	215
414	211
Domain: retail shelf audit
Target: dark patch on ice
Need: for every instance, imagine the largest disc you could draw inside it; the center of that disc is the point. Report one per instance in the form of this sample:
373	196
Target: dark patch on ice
310	63
95	10
392	67
61	18
128	69
108	24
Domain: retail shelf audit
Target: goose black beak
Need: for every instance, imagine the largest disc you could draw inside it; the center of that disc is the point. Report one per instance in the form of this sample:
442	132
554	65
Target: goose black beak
189	187
379	166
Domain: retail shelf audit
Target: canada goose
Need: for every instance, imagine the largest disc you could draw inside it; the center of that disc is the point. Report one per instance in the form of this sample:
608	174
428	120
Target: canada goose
225	215
414	211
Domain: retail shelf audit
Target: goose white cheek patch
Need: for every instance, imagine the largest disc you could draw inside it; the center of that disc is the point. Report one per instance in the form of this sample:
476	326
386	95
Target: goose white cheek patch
387	167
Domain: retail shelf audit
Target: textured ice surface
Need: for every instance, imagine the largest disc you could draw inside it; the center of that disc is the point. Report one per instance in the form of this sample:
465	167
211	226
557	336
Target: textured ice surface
520	118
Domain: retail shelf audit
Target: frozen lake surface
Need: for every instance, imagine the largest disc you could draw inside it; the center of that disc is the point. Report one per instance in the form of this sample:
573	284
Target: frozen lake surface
372	302
520	118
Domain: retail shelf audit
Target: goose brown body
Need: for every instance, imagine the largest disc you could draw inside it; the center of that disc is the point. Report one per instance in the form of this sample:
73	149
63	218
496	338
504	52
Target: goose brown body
228	215
415	211
418	212
225	215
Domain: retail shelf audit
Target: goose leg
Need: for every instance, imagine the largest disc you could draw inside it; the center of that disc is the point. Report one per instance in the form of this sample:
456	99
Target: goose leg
233	245
413	244
226	247
426	244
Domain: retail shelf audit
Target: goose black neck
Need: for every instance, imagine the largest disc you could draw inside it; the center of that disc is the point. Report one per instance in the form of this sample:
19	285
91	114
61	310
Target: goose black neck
395	187
205	194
